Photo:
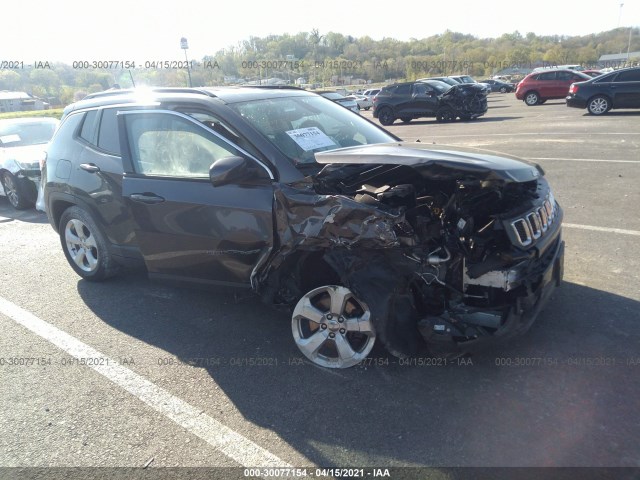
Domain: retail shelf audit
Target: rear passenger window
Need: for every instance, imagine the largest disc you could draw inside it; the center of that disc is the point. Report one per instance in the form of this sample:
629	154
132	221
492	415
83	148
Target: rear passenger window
403	90
88	131
547	76
630	76
108	134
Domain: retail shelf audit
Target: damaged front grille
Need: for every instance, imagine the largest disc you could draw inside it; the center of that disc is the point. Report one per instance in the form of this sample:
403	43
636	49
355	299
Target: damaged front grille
534	224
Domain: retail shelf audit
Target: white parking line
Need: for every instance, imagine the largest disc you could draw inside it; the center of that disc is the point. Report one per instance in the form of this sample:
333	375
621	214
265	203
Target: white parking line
601	229
527	134
584	160
222	438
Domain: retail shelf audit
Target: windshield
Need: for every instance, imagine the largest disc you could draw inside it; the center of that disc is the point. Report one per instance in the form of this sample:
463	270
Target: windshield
21	134
440	86
301	126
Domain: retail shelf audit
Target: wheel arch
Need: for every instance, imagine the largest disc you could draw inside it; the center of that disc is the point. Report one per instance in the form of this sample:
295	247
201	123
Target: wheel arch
609	99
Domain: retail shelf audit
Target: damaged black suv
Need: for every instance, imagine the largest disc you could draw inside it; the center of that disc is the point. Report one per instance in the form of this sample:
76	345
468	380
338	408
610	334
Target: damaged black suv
363	236
429	98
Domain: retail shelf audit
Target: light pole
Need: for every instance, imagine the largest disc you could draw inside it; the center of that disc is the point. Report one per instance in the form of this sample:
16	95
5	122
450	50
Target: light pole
184	45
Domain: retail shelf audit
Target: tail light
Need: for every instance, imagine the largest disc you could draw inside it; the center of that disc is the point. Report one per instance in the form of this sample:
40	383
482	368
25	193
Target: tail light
573	89
375	99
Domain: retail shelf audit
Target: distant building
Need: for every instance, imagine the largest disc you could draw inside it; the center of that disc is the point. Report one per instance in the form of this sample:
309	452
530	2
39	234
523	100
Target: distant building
20	102
617	60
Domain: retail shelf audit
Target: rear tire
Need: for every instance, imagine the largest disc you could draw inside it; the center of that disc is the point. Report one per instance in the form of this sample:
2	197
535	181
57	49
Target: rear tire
598	105
386	116
503	89
85	246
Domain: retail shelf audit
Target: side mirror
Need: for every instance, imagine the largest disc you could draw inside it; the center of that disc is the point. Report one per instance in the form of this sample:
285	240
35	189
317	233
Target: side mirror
228	170
234	169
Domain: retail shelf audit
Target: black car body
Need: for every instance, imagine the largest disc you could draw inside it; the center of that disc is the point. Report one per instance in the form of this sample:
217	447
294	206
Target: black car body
499	86
429	98
618	89
23	144
364	236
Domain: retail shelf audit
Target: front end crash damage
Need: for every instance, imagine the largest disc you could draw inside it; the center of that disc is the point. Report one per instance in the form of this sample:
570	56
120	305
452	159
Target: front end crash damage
466	100
450	250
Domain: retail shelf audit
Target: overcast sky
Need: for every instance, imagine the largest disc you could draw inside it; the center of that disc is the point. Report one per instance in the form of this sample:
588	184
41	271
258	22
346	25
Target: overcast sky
140	30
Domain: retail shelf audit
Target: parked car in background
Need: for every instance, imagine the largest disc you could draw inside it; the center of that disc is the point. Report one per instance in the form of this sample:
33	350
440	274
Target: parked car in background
429	98
423	248
538	87
364	103
468	79
348	102
447	80
370	93
618	89
23	143
592	73
499	86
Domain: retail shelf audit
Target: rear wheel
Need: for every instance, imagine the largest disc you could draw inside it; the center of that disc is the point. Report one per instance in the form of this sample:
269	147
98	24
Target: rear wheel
386	116
503	89
599	105
85	247
332	327
16	192
532	98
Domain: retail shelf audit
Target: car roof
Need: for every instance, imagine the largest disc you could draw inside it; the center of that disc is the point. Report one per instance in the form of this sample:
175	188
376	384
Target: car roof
159	94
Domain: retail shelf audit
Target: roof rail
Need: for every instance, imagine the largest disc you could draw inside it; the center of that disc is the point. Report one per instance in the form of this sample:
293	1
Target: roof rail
112	92
277	87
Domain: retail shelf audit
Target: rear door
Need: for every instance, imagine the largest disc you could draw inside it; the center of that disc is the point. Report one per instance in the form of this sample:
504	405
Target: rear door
187	228
402	100
625	89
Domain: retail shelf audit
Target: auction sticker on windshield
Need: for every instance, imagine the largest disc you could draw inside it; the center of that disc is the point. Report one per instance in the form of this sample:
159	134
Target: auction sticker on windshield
310	138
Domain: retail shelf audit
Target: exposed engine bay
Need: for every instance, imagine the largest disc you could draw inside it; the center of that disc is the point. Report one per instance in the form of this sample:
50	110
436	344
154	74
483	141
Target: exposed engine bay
448	254
466	100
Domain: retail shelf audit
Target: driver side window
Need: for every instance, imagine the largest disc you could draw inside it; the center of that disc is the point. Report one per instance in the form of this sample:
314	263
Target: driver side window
167	144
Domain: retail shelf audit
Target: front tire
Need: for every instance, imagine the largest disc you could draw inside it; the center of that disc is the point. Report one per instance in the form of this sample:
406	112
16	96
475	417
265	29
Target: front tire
532	98
445	114
503	89
85	246
406	119
386	116
16	192
332	327
599	105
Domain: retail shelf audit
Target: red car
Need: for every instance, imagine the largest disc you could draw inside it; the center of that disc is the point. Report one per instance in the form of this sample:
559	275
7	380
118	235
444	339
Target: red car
538	87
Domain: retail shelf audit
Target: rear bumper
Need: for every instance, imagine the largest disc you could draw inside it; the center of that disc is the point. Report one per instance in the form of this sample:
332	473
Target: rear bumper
576	102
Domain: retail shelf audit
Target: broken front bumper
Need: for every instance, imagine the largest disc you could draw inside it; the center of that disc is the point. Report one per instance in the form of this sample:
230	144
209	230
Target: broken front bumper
443	333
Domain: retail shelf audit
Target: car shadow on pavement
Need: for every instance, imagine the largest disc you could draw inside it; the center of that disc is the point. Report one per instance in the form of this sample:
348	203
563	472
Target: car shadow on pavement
616	113
9	214
561	395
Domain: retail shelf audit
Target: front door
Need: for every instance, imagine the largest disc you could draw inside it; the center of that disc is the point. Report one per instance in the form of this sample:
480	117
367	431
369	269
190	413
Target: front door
186	227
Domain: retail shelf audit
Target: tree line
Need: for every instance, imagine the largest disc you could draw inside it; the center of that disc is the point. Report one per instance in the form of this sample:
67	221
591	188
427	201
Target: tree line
328	59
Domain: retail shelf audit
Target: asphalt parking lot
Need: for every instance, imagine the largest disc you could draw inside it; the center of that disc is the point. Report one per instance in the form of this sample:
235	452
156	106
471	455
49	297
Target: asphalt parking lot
212	378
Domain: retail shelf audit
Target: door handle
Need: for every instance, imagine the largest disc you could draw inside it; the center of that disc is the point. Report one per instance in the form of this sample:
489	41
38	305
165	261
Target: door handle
90	167
148	198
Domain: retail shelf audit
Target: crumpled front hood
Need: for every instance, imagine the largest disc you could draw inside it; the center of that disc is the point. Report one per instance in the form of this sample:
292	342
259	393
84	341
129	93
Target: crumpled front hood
436	159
